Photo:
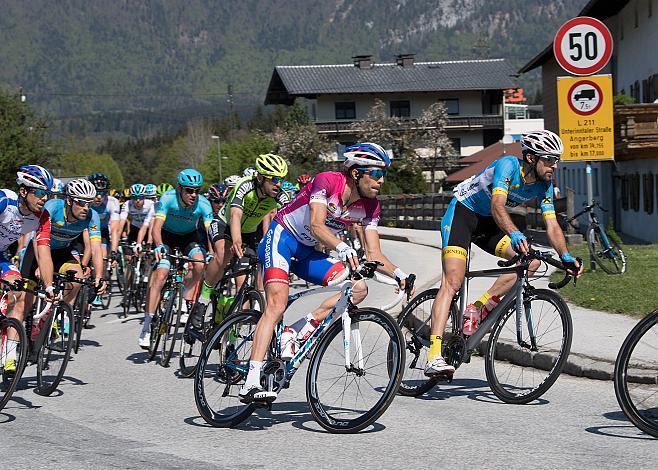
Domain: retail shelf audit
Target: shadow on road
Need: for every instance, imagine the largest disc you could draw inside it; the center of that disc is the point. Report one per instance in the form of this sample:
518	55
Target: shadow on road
90	342
6	417
626	431
138	357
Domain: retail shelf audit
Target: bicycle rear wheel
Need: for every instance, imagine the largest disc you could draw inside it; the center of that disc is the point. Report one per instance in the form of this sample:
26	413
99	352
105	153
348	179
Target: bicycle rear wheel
78	317
172	317
636	375
55	351
18	349
222	370
609	256
347	401
520	370
158	323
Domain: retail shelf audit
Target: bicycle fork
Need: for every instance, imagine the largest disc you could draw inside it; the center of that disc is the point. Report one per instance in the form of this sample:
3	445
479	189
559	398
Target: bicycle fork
523	309
351	333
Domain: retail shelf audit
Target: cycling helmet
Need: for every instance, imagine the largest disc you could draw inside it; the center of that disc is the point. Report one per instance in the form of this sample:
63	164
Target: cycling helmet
542	143
269	164
58	187
217	192
304	178
231	180
126	192
81	188
162	188
366	154
34	176
100	181
287	186
150	190
138	190
190	178
112	192
249	172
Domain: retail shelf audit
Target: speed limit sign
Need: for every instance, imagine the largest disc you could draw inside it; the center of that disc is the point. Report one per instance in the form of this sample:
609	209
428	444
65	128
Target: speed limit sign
583	46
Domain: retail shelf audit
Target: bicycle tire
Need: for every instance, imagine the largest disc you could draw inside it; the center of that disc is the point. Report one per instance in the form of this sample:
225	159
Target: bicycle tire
106	298
215	346
394	353
8	384
597	251
78	317
156	327
415	330
170	332
647	421
542	359
52	349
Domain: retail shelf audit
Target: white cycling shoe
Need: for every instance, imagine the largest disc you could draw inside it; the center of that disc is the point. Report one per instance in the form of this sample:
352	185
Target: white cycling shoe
255	393
438	367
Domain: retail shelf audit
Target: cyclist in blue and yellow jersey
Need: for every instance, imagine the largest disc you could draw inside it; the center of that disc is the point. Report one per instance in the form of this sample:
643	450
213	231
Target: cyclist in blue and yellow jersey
478	213
175	226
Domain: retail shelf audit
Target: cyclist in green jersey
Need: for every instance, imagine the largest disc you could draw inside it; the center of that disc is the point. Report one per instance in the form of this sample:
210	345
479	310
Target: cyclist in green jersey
252	198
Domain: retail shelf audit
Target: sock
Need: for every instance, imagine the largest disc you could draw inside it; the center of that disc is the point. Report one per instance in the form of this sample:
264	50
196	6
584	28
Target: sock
253	376
147	322
435	346
483	298
206	292
11	349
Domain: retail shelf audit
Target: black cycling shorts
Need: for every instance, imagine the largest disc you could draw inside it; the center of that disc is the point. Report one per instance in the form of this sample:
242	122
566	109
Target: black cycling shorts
219	230
60	257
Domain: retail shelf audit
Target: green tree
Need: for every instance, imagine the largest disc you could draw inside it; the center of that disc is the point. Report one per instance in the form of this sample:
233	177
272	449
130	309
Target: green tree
236	156
23	139
432	134
84	163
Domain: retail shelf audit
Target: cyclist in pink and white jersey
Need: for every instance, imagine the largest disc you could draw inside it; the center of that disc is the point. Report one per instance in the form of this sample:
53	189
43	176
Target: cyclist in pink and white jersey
332	202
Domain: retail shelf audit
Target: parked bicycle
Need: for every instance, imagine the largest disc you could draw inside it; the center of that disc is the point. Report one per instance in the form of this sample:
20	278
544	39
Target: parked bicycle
530	328
604	249
636	375
355	369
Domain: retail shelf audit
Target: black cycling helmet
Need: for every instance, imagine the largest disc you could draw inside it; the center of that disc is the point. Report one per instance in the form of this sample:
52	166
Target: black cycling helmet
100	181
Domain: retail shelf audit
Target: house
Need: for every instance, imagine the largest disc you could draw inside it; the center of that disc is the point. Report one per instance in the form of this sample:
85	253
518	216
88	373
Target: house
336	96
628	186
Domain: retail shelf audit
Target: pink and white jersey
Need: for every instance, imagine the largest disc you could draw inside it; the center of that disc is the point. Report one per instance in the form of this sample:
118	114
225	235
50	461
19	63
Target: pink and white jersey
326	188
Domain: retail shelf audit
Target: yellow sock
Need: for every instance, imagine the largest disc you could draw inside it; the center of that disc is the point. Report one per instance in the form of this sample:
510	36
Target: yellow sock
484	298
435	347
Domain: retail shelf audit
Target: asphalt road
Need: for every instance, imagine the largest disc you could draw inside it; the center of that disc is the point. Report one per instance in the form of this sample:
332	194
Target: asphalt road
116	411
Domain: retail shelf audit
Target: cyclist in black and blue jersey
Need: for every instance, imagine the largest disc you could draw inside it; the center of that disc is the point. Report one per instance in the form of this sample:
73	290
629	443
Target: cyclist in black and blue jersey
175	226
478	213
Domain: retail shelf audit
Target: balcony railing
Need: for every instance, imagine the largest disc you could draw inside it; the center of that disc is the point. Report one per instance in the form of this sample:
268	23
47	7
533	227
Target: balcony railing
636	131
454	122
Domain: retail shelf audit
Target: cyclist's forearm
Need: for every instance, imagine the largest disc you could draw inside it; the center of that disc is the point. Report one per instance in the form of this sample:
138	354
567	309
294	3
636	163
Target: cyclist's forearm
503	219
115	234
45	262
156	231
236	224
97	259
141	234
556	237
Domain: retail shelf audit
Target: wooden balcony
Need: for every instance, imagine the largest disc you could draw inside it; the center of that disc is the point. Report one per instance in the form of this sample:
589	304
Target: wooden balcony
636	131
455	122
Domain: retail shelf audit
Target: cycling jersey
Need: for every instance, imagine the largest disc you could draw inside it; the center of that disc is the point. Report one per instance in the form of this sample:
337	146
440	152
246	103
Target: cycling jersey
182	220
504	176
327	188
107	211
57	232
245	196
13	223
138	217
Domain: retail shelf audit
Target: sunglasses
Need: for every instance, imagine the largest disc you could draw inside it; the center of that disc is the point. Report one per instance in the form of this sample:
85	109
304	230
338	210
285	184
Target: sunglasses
101	193
275	179
81	202
191	190
40	193
375	173
550	160
138	198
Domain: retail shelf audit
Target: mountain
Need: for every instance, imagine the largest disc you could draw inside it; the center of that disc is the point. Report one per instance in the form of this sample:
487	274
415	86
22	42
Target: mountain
163	61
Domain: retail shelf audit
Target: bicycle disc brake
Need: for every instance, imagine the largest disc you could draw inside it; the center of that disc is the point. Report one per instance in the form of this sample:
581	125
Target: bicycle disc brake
455	350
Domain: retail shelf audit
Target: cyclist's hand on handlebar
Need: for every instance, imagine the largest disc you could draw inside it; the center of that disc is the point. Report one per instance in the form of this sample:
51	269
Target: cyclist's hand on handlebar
86	271
519	242
572	265
347	254
236	248
99	285
159	252
52	295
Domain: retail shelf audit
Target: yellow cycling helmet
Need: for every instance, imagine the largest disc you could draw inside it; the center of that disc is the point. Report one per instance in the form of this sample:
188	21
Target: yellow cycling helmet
126	192
269	164
112	192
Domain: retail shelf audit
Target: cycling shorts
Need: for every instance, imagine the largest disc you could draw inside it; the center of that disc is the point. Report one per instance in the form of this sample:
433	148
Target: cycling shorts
461	226
277	250
219	230
7	268
105	237
63	259
189	244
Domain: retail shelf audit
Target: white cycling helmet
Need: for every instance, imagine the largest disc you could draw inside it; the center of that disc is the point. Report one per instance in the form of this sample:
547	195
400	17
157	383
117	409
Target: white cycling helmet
366	154
58	187
251	172
542	143
232	180
81	188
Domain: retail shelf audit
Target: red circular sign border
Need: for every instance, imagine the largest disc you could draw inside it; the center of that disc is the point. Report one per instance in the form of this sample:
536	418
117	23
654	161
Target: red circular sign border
557	51
587	82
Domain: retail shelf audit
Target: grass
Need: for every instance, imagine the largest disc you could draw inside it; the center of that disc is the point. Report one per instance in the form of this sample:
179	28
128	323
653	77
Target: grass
633	293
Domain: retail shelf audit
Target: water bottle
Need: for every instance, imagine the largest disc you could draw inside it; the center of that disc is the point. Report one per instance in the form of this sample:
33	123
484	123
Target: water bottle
471	319
307	330
288	346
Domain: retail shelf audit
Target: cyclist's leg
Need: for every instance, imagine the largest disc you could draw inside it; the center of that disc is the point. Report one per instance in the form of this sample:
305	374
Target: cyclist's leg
194	251
16	307
156	282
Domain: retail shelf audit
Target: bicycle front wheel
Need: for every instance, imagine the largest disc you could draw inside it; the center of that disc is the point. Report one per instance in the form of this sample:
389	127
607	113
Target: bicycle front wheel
17	350
521	365
347	401
222	370
636	375
56	349
609	256
172	320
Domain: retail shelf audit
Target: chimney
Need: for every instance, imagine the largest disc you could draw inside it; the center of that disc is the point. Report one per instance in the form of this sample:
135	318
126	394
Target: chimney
363	61
405	60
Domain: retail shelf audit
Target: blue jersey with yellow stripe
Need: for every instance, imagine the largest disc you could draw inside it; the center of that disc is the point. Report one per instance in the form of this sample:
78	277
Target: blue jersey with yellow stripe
505	177
63	232
179	219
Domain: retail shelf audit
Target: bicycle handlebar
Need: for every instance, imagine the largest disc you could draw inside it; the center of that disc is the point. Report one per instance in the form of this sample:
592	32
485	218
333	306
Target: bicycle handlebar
546	258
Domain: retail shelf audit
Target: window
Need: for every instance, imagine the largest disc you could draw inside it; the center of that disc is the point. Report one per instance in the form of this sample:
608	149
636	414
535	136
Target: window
452	106
636	88
636	16
635	192
595	180
346	110
457	145
401	108
624	192
648	193
650	2
621	27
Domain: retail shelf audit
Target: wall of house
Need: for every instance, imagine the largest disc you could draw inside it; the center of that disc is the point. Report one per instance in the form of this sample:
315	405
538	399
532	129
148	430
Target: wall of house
471	141
639	224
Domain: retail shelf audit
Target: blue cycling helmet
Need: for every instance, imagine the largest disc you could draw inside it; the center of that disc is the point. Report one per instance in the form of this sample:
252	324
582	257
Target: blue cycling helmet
190	177
34	176
151	190
288	186
366	154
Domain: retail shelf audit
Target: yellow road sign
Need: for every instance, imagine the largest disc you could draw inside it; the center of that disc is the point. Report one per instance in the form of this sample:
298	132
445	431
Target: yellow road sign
585	115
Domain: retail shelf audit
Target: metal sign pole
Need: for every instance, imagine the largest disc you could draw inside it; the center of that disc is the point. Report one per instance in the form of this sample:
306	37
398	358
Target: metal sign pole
590	200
